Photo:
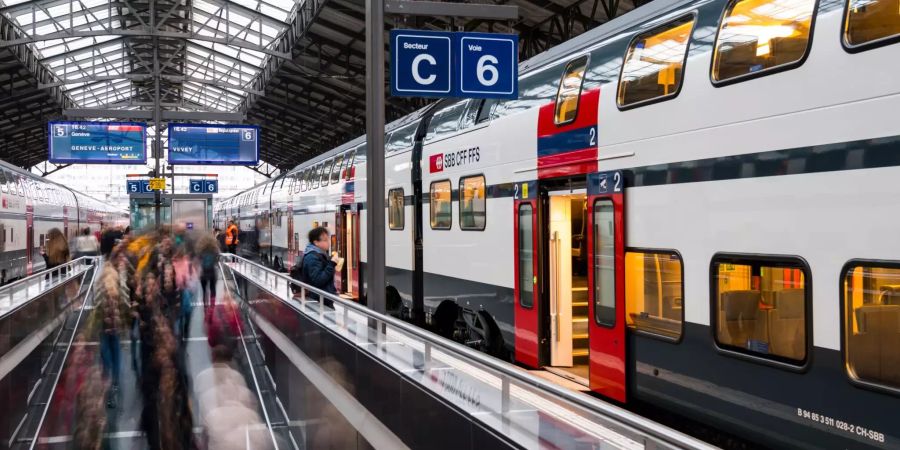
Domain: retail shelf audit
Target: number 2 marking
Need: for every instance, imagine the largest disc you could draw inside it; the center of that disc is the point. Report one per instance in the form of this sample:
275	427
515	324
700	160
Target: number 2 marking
593	136
617	177
516	195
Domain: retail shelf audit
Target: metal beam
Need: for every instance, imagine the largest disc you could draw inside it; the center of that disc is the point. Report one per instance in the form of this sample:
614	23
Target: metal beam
147	77
147	115
145	33
374	276
473	10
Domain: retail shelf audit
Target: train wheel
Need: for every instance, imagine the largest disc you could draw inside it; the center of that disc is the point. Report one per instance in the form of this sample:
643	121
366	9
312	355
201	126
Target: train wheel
482	333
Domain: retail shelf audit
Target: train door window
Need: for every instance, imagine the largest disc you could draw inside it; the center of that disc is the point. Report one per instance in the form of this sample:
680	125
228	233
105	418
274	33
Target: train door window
569	90
441	205
526	256
871	302
871	22
472	206
757	36
604	263
654	64
654	292
336	172
445	121
761	305
395	209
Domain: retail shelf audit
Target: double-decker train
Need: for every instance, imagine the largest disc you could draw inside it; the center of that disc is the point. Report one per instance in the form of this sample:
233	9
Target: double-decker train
30	206
688	206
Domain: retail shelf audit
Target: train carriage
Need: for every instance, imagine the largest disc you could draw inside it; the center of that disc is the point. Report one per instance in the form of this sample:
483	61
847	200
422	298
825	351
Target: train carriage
688	206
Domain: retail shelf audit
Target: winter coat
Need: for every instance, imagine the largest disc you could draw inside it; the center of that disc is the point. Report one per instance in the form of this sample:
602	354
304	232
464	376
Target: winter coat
317	270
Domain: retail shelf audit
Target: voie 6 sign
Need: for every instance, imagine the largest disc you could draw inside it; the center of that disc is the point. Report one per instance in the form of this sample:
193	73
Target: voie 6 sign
442	64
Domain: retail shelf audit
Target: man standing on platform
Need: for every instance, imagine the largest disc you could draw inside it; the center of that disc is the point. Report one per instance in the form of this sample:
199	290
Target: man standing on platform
231	237
317	267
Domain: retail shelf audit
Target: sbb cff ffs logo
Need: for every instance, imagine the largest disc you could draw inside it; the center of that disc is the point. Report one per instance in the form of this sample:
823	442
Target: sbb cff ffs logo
437	163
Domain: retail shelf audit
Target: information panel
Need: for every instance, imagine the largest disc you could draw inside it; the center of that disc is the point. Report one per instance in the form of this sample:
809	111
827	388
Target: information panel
213	144
97	142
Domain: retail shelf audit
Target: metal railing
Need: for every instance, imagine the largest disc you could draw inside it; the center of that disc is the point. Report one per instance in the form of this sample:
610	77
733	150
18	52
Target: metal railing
18	293
517	387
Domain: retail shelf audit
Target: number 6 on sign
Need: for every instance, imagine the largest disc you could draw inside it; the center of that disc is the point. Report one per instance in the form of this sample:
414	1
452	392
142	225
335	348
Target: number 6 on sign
484	67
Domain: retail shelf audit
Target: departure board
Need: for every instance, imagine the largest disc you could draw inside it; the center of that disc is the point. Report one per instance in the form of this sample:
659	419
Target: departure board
213	144
97	142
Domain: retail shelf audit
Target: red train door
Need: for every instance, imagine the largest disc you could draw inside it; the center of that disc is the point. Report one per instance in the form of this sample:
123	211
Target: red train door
606	281
527	294
29	237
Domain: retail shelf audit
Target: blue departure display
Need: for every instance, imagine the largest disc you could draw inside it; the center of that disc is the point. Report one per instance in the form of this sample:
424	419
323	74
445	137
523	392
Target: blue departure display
213	144
97	142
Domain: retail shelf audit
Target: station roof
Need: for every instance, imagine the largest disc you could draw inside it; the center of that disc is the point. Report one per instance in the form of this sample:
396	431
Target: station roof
296	68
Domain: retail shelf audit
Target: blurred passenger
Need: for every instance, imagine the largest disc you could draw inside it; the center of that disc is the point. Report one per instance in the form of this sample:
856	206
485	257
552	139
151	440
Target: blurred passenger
208	256
91	418
220	239
56	249
317	266
108	240
112	313
86	244
231	237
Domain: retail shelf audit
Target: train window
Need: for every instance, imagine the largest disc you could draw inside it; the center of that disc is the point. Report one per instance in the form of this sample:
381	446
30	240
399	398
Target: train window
326	171
654	64
402	138
395	209
871	22
871	301
472	203
758	35
654	292
3	188
761	305
336	171
570	90
526	256
486	109
441	205
348	167
317	170
604	263
445	121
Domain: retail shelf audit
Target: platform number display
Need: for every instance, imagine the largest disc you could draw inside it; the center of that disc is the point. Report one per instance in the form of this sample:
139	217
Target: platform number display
487	65
442	64
138	187
204	186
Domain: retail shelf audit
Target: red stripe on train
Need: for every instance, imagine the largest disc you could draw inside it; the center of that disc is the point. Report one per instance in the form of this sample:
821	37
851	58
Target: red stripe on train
575	162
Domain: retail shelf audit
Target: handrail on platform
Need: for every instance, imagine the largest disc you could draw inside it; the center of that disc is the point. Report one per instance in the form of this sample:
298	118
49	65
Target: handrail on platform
55	276
507	372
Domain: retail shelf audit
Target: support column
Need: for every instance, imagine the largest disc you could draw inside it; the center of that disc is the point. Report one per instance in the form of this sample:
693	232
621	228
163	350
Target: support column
375	197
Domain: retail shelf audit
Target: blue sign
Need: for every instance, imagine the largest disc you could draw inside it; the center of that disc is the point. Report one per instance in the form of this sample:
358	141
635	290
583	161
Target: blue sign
488	65
441	64
133	187
138	187
97	142
191	143
421	63
204	186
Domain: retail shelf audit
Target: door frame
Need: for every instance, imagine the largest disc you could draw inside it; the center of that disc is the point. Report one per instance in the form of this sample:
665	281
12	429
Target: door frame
607	360
528	321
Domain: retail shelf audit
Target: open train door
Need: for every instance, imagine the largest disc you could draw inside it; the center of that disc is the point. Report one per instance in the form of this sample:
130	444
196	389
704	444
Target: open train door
527	314
606	279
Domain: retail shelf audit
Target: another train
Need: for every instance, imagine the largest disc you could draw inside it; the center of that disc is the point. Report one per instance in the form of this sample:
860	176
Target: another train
689	206
30	206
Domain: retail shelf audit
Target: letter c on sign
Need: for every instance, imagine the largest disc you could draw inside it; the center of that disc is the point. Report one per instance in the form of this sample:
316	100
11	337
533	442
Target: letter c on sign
417	61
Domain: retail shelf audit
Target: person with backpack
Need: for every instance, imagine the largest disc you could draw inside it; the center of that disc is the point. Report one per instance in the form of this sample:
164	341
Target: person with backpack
317	266
208	256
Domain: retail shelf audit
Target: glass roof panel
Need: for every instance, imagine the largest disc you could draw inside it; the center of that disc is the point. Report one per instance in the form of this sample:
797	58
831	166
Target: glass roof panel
96	73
